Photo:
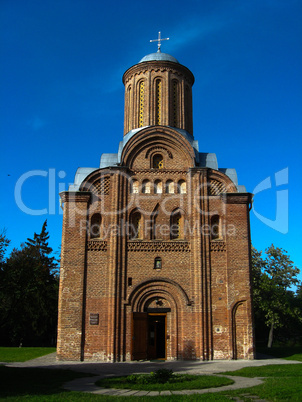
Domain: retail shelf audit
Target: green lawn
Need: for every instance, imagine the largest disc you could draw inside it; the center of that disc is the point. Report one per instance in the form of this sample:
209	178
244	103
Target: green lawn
23	354
190	382
288	352
282	382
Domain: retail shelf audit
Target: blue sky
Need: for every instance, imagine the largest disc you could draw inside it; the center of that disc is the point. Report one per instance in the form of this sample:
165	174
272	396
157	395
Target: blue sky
62	99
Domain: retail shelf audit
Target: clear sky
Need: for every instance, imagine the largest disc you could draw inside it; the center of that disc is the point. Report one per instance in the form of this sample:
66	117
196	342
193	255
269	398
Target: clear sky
62	99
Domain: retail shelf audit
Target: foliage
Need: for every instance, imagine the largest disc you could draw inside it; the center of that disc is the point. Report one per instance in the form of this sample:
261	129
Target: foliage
163	380
28	294
23	354
4	242
275	305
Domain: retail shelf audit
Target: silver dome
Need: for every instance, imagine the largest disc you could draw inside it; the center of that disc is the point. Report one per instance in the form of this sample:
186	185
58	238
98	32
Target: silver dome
159	56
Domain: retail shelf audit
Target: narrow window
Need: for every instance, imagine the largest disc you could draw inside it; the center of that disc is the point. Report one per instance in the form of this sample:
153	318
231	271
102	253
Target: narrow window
136	226
176	226
153	233
95	226
129	109
158	102
169	187
157	263
158	187
146	188
175	103
134	187
141	103
215	227
182	187
158	161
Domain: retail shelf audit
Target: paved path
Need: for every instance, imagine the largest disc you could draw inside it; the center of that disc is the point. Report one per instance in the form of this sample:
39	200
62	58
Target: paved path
102	370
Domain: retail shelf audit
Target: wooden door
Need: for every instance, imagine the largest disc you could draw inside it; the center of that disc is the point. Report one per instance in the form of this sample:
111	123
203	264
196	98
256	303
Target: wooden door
139	336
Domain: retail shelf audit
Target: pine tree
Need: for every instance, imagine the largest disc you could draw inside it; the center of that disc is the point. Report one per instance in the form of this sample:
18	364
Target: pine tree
29	294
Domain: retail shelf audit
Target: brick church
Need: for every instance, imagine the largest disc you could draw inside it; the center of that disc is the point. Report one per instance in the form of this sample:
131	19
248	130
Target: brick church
156	240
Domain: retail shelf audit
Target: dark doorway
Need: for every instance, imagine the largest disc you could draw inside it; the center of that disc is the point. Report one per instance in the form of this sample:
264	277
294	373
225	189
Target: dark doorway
156	336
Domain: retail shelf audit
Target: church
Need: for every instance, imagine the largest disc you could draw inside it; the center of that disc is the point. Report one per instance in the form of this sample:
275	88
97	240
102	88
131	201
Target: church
156	247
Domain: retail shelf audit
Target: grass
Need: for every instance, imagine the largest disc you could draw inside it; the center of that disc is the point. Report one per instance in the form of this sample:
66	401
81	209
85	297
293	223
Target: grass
23	354
288	352
186	382
282	383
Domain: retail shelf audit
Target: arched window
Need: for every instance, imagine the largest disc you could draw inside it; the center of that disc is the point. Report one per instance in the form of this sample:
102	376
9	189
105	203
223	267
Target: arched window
215	227
158	187
158	101
169	187
141	103
157	161
134	187
95	226
175	104
129	109
182	187
153	232
146	188
157	263
176	226
135	226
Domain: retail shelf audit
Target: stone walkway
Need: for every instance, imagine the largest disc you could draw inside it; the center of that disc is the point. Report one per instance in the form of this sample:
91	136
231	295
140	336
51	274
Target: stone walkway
102	370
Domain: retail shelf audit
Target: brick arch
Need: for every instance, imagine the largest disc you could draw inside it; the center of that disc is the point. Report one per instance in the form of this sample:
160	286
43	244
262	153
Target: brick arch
161	287
239	329
159	136
220	183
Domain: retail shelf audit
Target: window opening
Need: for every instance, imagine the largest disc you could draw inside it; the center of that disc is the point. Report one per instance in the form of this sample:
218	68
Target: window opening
169	187
158	187
134	187
158	161
136	226
176	226
95	227
175	103
157	263
182	187
215	230
141	103
146	187
158	102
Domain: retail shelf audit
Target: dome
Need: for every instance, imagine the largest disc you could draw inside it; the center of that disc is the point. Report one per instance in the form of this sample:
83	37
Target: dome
159	56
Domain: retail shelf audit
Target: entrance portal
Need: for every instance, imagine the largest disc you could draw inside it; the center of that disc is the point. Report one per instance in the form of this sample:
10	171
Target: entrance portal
149	336
156	336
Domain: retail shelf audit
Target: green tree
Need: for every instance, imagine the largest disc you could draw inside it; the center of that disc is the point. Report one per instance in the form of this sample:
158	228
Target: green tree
274	303
28	294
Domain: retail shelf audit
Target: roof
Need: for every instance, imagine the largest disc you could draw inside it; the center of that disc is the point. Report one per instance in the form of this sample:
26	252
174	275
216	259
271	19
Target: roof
159	56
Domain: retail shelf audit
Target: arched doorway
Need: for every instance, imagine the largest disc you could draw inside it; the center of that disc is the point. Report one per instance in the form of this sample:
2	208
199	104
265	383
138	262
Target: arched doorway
149	339
155	307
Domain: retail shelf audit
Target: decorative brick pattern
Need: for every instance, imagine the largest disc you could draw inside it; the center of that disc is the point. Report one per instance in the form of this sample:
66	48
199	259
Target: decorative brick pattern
158	246
217	188
96	245
218	246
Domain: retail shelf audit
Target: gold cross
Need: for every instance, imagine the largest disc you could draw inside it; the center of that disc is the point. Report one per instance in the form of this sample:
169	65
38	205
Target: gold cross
159	40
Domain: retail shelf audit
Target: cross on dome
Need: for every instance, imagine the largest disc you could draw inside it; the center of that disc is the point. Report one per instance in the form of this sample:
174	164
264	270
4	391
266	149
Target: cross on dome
159	40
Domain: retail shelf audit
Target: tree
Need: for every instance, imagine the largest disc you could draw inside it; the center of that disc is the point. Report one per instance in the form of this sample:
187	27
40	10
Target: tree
274	302
28	293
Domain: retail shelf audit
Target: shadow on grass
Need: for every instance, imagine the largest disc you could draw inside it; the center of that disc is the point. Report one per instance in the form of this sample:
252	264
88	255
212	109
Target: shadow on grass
34	381
285	352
